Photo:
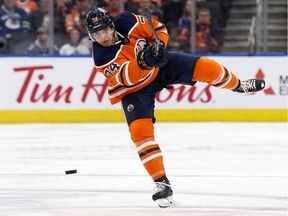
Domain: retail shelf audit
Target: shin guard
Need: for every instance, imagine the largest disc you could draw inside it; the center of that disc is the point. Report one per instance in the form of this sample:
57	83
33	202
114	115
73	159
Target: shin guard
142	134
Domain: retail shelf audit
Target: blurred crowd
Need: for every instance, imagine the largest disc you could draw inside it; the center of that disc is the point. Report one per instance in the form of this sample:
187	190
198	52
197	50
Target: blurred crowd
25	24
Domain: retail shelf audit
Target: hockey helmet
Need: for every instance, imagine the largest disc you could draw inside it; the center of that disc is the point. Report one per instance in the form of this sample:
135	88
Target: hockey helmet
98	19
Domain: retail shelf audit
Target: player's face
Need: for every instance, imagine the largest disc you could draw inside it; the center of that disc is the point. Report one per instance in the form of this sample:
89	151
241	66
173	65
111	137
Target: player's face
9	3
104	37
204	17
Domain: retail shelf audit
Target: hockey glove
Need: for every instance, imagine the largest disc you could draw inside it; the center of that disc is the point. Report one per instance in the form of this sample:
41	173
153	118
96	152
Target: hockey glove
150	57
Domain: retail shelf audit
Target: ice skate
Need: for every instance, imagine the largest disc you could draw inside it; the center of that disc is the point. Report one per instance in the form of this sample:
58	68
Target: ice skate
250	86
163	195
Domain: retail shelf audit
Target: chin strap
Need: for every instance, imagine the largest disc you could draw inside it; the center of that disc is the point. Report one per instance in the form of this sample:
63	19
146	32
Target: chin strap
119	38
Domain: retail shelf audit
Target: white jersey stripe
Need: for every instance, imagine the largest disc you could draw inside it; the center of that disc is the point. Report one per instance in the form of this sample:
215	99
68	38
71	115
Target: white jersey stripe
126	73
228	81
117	78
113	95
221	77
144	145
151	157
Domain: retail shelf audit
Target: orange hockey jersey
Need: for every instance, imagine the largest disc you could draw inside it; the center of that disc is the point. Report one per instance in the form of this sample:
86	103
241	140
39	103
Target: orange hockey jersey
118	62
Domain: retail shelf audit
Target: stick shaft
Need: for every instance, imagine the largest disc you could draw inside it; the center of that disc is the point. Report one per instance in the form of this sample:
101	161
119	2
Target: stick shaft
149	18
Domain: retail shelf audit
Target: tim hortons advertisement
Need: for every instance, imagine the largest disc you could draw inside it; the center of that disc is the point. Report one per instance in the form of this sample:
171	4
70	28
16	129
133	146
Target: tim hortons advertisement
28	83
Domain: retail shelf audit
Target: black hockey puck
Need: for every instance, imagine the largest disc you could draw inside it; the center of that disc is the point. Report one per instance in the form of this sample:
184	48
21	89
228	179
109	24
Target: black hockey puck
70	172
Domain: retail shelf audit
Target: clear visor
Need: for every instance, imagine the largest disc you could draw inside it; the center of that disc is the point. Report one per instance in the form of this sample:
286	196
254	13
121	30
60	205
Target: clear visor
98	35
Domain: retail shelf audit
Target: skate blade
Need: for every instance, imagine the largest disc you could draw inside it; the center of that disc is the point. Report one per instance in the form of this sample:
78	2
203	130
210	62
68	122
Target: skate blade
165	202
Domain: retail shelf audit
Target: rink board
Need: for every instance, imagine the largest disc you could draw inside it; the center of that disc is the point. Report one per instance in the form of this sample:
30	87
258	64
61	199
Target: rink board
54	116
67	89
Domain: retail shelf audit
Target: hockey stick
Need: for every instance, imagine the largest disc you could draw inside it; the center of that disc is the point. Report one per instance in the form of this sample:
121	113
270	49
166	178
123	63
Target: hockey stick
149	18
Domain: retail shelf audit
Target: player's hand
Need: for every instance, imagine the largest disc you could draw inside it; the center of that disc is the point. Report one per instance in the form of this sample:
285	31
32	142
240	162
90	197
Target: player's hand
150	57
152	43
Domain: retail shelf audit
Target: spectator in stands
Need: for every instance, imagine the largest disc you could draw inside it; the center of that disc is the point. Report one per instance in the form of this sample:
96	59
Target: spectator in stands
216	11
113	7
41	46
62	6
219	10
14	23
84	38
2	45
102	3
74	47
40	17
156	12
158	2
27	5
225	5
172	10
206	33
82	25
65	6
132	6
73	18
12	19
185	28
80	21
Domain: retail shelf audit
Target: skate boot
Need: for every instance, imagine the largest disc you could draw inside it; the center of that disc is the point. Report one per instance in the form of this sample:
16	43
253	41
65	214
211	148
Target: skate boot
163	195
250	86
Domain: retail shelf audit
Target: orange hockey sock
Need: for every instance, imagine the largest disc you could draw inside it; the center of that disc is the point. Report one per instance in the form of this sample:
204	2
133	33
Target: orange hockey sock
142	134
208	70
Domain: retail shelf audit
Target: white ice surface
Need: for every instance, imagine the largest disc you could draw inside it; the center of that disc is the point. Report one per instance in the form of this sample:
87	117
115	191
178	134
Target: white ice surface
216	169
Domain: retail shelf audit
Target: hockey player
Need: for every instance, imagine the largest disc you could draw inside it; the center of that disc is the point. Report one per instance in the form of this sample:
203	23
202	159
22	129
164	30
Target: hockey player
136	68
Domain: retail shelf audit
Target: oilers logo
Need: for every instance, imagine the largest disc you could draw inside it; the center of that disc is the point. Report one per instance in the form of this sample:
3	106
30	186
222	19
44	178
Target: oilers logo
139	46
130	107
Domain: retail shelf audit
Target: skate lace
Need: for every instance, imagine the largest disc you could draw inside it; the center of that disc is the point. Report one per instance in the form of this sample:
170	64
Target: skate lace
248	85
160	186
